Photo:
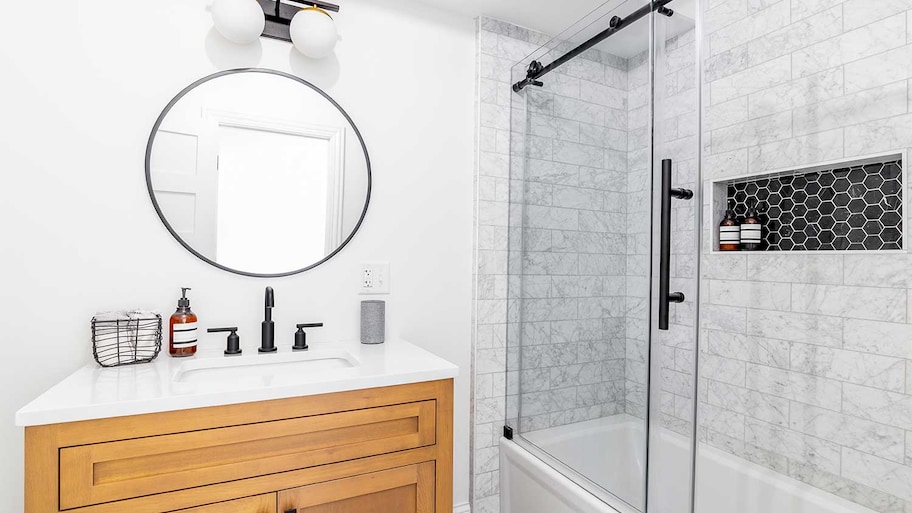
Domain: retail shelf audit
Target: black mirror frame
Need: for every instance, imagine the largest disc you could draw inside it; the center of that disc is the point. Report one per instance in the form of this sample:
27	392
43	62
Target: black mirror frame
182	242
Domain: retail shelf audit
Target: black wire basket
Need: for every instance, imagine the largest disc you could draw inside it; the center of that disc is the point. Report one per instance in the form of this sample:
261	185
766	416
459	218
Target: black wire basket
126	338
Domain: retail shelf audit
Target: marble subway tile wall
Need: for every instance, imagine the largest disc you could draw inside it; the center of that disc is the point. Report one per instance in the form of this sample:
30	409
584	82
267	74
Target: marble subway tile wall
551	231
499	46
639	233
571	267
676	129
806	357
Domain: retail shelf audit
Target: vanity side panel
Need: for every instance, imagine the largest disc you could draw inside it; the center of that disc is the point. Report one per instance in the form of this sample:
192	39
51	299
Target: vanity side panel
444	468
41	469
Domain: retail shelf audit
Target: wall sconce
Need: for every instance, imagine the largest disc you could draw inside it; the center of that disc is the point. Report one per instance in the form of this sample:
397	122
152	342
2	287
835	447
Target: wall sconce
307	25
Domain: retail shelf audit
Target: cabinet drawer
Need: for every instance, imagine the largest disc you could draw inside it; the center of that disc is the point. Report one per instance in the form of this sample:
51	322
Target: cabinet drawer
111	471
408	489
259	504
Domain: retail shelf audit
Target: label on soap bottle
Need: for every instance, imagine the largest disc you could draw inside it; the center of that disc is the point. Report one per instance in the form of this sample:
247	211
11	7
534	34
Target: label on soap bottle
184	335
729	234
750	234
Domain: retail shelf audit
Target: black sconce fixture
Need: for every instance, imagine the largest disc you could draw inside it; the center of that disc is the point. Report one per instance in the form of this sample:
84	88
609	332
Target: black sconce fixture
308	25
279	15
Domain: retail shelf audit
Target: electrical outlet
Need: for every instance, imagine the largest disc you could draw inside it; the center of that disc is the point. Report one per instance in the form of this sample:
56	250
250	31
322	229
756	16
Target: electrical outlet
374	277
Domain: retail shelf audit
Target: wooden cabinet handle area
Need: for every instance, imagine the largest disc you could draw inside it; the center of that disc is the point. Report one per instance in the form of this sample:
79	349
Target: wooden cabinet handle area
407	489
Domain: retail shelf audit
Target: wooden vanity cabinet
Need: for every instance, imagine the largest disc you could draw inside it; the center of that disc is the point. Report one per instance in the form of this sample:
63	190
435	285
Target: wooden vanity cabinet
258	504
408	489
380	450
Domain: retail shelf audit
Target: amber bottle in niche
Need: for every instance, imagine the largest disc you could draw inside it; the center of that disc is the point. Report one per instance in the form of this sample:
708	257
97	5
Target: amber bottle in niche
729	232
751	229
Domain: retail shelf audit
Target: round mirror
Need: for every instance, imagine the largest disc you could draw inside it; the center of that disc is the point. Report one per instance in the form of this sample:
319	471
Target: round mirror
258	172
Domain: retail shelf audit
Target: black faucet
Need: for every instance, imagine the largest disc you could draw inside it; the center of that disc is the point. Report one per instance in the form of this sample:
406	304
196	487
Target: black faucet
267	342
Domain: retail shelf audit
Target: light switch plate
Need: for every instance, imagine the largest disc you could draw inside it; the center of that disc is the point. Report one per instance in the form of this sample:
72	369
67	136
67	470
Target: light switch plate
374	277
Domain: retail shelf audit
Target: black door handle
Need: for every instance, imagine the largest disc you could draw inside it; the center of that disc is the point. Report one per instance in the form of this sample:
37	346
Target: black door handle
668	193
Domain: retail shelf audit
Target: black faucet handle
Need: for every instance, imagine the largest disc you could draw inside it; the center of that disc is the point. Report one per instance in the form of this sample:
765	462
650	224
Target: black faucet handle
301	337
234	341
220	330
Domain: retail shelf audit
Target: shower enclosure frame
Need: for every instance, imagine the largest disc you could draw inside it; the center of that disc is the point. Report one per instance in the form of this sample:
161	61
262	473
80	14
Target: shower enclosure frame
659	249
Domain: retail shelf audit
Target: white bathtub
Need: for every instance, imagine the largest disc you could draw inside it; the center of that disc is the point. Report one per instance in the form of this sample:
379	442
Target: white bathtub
609	452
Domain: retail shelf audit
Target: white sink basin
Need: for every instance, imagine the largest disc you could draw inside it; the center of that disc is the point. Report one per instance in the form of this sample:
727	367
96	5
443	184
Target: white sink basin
266	369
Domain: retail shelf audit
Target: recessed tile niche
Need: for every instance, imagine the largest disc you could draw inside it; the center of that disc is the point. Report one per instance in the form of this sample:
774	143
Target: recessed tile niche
849	206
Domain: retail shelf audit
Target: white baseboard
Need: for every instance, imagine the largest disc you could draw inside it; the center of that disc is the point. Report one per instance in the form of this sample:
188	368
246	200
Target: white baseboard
462	508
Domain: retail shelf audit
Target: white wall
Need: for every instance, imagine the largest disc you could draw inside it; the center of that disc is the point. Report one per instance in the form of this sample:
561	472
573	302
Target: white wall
78	94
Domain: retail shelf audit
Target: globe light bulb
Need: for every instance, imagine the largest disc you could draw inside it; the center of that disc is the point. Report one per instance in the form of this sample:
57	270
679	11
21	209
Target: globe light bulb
239	21
313	32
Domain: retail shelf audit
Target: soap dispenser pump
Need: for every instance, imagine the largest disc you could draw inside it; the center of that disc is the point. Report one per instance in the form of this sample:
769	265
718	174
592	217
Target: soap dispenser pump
182	340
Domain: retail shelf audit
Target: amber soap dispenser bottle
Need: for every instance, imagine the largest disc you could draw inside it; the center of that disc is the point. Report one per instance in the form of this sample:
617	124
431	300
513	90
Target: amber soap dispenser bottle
183	328
729	232
751	229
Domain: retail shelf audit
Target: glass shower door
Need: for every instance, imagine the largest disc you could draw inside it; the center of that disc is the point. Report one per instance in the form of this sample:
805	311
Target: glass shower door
675	189
583	349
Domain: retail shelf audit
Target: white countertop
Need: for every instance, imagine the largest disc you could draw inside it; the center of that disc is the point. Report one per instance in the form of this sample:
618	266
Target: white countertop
93	392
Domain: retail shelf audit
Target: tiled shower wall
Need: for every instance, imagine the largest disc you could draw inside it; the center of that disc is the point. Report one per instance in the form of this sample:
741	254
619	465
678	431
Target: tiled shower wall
571	267
807	358
675	135
500	46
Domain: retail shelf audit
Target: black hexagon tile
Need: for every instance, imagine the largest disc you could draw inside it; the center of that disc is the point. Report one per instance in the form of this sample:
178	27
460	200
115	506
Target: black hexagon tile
851	208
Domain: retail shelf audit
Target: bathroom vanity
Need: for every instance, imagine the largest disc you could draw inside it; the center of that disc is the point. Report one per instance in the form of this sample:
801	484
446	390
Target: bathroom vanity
349	428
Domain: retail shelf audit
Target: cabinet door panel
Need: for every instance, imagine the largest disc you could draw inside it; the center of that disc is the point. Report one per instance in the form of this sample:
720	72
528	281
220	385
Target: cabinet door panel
96	473
259	504
408	489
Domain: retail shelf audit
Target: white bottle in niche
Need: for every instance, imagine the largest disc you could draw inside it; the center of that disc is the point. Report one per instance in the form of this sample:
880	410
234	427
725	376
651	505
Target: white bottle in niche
729	232
751	230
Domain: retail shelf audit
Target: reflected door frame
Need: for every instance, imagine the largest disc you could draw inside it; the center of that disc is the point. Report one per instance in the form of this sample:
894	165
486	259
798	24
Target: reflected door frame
213	120
196	183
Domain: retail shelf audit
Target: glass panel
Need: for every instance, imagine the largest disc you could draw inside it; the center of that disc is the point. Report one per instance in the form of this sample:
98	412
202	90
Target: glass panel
580	259
676	140
805	400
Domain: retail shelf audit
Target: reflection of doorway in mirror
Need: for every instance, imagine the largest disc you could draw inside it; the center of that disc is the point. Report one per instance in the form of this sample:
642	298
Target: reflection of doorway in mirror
279	199
185	183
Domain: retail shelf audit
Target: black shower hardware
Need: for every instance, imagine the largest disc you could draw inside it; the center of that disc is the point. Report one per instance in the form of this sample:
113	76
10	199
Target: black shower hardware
616	24
267	339
233	347
300	343
279	15
668	193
